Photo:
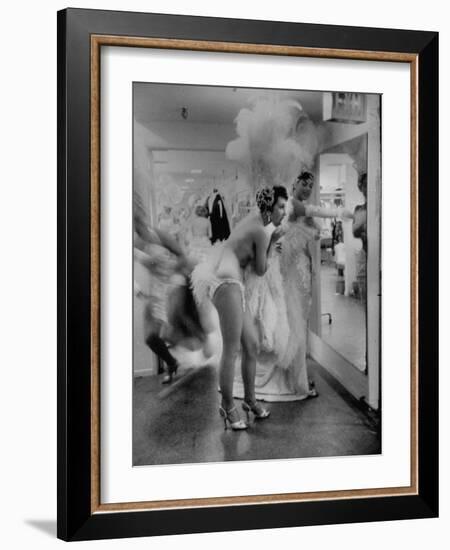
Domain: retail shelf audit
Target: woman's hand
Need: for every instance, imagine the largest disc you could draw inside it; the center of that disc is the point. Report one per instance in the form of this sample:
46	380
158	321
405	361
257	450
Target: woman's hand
277	234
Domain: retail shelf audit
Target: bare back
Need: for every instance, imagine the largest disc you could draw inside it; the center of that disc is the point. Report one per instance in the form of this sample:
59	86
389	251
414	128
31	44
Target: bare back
247	244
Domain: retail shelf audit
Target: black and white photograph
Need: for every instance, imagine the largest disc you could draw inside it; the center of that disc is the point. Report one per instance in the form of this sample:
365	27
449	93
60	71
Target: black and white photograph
225	310
256	273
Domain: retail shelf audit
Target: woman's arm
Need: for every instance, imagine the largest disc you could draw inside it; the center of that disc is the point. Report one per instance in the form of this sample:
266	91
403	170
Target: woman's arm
313	211
298	209
277	234
275	239
262	245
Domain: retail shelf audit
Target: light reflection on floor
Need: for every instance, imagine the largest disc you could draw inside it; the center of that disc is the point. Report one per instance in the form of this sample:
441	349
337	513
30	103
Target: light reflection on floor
347	331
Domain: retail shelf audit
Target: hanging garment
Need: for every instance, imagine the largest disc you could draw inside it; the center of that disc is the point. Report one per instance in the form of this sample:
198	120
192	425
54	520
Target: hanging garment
220	228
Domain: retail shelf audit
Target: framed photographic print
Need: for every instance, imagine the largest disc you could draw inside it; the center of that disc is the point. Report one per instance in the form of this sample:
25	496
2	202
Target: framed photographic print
247	256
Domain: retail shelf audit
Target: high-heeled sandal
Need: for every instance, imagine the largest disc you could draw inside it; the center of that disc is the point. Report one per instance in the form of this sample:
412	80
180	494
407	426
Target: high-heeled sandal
172	370
234	425
259	413
312	392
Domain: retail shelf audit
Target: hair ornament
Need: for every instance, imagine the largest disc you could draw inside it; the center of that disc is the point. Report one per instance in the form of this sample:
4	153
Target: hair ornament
264	198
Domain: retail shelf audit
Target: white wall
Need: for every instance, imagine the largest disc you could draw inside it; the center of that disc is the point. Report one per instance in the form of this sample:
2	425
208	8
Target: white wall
28	275
144	173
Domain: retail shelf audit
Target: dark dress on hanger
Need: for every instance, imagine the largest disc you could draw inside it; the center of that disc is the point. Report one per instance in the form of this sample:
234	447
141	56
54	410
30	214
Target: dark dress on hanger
220	228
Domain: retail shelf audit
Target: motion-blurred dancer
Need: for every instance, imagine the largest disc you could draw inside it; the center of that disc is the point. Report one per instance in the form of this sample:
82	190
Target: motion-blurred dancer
170	313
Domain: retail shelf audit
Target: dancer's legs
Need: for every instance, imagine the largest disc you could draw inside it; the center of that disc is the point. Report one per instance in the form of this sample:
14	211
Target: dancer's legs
158	346
152	333
249	351
228	302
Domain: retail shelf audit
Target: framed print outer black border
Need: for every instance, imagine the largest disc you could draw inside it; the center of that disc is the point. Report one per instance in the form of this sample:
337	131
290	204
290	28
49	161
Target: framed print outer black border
79	515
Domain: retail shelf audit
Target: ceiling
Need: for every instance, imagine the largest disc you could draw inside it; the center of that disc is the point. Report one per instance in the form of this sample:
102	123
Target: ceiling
208	104
188	148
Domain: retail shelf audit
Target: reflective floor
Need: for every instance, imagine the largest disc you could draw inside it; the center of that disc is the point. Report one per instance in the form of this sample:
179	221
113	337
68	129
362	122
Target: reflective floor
182	424
347	331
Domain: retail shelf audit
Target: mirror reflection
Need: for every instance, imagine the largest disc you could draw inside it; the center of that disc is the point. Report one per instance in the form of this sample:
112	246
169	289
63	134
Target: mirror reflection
343	250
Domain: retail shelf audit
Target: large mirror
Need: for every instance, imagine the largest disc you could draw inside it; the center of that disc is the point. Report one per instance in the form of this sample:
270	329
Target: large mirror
343	250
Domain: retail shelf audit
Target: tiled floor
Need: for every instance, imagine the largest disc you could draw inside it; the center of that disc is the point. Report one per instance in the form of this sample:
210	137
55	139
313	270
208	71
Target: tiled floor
183	426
